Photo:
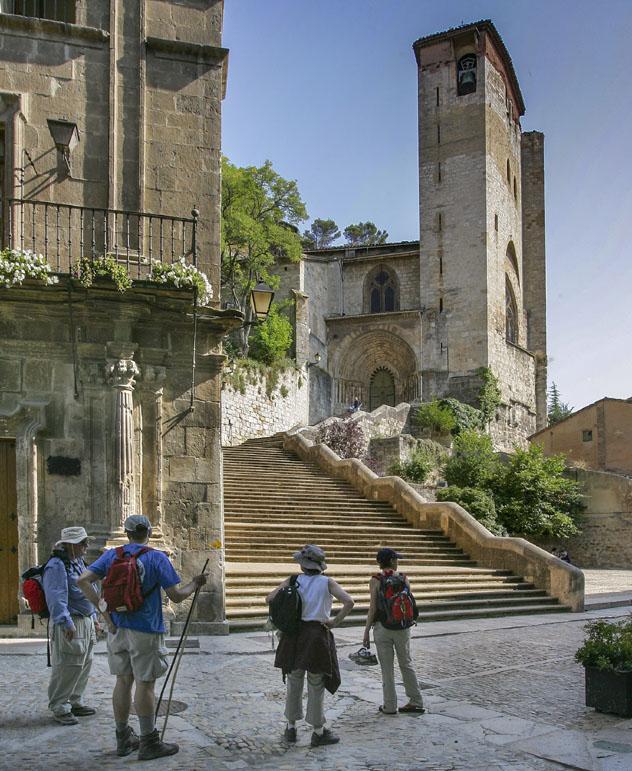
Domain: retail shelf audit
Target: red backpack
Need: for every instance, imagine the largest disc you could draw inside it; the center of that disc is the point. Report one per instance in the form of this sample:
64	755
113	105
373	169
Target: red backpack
122	588
33	591
397	606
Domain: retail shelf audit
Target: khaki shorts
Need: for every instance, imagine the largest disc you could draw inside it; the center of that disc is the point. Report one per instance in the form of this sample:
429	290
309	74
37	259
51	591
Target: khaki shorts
142	654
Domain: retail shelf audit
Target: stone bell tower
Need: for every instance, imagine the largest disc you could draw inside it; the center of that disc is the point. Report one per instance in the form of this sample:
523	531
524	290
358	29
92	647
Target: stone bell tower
477	293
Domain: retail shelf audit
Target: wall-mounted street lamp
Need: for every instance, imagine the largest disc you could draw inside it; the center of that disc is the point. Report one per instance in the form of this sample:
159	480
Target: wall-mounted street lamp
261	300
314	363
65	136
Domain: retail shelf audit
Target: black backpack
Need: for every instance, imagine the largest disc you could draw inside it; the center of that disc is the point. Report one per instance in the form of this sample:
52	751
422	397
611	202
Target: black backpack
286	608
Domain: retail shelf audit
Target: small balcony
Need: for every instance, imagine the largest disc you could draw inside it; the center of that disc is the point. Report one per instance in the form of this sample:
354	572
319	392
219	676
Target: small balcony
65	234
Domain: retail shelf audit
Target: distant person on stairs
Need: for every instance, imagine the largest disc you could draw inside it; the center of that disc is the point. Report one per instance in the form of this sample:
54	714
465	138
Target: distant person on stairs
391	619
313	649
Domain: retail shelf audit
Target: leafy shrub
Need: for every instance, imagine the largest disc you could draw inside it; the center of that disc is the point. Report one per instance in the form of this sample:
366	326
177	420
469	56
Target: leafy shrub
466	417
478	503
427	456
533	497
473	462
435	417
87	269
489	395
416	469
345	437
283	391
608	645
272	339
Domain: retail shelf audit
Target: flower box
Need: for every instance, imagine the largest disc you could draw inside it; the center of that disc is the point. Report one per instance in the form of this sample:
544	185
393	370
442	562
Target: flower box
609	691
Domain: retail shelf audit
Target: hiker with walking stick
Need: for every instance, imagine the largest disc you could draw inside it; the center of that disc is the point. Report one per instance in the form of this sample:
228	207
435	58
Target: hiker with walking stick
132	608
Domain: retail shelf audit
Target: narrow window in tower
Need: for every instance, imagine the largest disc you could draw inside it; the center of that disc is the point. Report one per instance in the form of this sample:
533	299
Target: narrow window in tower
438	134
439	172
496	222
441	266
441	305
437	96
511	314
439	221
508	172
515	189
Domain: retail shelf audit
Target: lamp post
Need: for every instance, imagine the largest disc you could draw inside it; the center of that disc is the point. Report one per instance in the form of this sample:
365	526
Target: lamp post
261	300
65	136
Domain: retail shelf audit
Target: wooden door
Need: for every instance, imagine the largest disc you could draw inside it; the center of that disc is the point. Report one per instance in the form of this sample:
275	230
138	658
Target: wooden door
9	577
381	389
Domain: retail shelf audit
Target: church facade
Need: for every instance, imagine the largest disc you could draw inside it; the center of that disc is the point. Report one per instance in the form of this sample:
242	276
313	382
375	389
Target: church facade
417	320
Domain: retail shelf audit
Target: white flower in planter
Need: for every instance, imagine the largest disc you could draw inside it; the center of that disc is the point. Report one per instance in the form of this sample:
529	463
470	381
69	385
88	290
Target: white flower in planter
183	276
16	265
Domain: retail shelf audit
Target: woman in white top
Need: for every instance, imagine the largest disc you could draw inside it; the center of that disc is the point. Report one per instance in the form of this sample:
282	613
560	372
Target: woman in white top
313	649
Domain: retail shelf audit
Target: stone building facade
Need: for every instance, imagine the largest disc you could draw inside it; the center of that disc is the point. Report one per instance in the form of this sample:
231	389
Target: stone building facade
414	320
599	436
102	411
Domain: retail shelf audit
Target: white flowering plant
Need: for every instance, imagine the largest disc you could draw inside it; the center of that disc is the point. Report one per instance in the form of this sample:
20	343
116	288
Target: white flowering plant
19	264
183	276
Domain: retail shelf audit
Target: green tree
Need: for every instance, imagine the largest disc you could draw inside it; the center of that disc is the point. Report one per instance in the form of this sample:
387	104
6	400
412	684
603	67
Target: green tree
533	496
321	234
365	234
478	503
473	462
260	214
272	339
558	410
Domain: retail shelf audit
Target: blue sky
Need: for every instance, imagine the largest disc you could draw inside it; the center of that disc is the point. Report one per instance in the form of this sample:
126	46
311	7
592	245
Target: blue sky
327	89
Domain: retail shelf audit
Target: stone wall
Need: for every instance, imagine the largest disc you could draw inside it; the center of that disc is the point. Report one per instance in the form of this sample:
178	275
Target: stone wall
254	412
99	402
606	538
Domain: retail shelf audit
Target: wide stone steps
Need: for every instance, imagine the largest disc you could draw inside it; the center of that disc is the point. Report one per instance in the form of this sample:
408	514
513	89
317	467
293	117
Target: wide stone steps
274	503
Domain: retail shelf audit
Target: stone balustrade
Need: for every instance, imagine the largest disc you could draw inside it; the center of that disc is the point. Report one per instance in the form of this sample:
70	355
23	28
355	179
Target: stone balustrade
557	578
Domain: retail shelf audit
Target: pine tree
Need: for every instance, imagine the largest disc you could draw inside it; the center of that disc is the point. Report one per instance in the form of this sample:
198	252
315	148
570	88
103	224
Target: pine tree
558	410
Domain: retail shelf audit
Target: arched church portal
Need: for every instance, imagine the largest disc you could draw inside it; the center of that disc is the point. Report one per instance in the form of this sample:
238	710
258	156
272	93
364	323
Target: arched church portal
377	367
381	388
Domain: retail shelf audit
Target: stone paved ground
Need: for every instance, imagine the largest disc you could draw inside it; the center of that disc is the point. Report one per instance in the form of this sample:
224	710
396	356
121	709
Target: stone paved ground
502	694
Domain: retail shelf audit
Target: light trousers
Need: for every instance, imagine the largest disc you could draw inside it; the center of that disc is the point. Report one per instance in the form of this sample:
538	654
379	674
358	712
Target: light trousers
389	642
315	698
71	661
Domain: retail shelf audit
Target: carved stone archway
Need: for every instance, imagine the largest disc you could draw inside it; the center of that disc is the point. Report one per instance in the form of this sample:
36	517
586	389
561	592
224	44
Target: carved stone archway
362	354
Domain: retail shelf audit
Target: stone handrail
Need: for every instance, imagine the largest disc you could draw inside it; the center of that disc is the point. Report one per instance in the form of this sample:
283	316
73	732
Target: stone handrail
558	579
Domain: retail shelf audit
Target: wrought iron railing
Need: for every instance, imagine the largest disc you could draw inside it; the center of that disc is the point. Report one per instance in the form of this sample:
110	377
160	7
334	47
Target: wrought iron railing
64	234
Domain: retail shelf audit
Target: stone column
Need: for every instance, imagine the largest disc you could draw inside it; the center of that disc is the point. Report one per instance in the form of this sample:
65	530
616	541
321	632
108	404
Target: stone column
151	393
120	375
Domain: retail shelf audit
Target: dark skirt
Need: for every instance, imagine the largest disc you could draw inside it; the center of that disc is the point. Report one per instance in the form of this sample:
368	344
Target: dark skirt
312	649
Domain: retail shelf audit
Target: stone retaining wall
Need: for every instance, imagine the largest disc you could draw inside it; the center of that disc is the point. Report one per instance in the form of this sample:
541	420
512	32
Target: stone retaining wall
558	579
254	413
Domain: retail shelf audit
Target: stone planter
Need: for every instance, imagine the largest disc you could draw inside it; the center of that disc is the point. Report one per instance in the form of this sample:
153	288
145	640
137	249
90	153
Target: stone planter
609	691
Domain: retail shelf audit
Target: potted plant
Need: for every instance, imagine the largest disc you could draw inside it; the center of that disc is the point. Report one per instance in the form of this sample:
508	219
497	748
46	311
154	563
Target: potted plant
606	656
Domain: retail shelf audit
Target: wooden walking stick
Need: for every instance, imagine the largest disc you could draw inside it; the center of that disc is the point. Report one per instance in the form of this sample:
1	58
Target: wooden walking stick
175	664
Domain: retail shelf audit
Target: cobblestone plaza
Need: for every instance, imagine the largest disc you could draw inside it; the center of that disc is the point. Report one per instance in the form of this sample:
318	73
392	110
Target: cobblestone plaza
501	693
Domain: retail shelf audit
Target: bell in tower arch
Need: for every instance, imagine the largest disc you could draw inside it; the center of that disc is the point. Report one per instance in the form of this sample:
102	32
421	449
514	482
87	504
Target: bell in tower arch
466	75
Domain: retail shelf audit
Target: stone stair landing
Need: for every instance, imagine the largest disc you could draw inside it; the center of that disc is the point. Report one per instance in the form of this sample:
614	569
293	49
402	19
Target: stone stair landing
274	503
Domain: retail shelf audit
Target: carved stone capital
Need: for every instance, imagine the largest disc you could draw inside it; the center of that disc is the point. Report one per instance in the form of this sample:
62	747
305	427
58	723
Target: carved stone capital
121	373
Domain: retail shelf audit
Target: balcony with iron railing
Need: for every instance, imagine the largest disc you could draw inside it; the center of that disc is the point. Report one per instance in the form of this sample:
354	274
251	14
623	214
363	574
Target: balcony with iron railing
65	234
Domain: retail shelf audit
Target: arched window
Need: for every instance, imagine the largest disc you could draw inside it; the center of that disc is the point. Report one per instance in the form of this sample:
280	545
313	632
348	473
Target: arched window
381	295
511	314
381	389
513	258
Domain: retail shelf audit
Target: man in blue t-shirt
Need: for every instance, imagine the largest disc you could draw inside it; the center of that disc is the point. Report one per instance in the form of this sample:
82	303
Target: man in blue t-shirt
136	649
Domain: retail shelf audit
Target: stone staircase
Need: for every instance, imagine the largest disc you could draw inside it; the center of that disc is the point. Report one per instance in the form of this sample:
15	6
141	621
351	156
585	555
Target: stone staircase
274	503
